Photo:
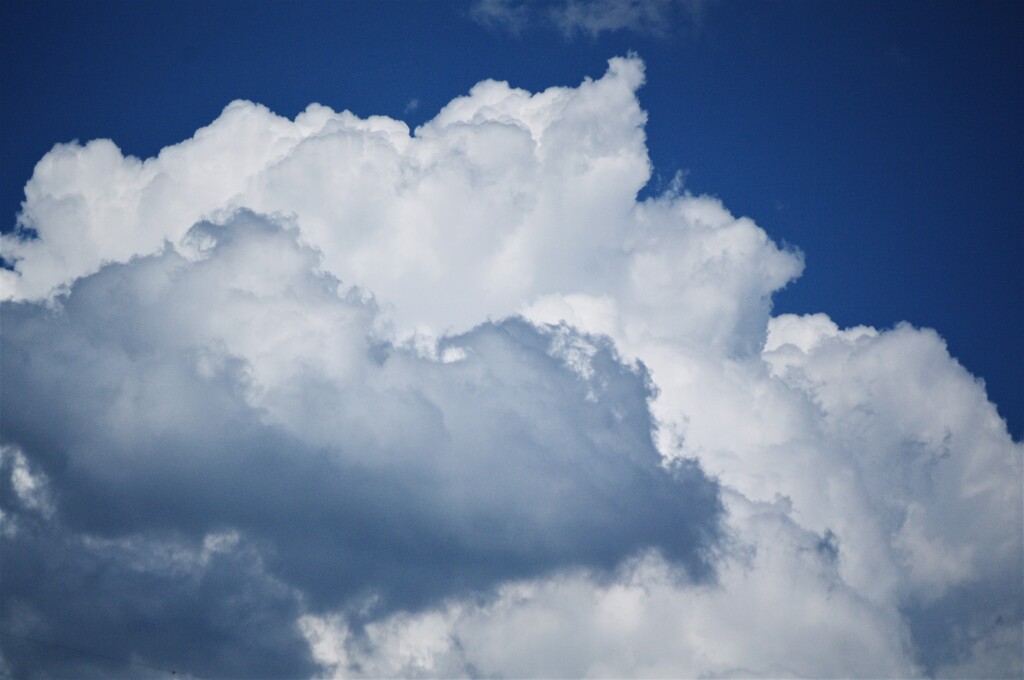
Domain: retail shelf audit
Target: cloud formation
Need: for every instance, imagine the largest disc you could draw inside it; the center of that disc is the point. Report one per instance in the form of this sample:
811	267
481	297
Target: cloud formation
328	396
589	17
237	400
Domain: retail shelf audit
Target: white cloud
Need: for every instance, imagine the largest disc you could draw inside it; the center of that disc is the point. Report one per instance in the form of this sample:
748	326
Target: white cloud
777	609
322	394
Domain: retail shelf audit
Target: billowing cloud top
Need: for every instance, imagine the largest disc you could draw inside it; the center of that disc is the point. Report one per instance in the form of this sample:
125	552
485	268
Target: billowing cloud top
326	396
445	227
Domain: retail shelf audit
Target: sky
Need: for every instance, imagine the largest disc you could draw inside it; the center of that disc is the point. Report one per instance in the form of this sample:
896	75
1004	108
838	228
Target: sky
520	339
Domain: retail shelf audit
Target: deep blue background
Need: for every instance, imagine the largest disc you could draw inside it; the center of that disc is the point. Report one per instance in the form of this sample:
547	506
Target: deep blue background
882	138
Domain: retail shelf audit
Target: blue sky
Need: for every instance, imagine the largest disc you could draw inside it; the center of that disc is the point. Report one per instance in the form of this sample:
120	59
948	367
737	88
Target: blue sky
880	138
500	338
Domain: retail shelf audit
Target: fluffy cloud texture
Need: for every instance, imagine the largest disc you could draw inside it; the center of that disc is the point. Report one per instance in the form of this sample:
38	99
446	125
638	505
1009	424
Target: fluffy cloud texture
330	397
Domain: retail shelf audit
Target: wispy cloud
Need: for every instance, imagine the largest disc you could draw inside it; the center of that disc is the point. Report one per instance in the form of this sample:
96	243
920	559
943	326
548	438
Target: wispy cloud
658	18
508	15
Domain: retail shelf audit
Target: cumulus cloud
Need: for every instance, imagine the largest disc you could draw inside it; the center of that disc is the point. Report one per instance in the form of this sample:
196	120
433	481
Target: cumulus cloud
240	393
327	396
777	608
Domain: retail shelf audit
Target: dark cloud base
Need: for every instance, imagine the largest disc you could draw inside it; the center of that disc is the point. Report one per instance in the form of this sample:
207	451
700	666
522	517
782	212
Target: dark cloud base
188	530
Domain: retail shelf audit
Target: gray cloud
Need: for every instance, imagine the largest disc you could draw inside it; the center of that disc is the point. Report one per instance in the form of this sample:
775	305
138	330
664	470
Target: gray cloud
388	483
144	604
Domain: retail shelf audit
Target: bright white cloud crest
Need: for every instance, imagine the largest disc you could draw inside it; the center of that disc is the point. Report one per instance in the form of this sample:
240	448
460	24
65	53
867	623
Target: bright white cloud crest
313	308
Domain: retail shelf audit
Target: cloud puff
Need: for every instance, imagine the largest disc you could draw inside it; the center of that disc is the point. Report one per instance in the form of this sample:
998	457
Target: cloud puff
777	608
541	429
